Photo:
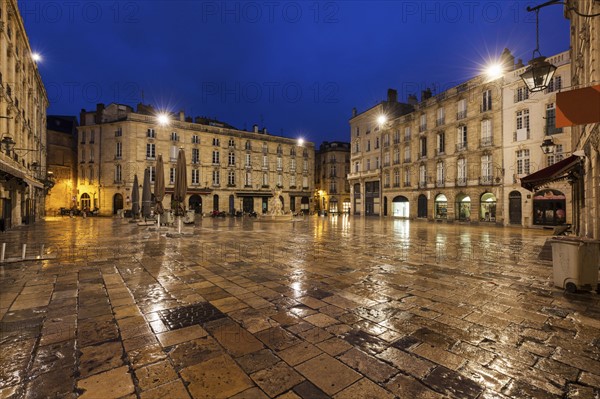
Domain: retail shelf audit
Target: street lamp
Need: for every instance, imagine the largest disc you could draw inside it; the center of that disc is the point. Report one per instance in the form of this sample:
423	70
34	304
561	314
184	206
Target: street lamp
548	145
163	118
539	73
9	145
36	57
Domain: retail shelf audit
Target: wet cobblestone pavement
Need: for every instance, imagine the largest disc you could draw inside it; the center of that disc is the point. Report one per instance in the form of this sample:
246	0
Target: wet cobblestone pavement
336	307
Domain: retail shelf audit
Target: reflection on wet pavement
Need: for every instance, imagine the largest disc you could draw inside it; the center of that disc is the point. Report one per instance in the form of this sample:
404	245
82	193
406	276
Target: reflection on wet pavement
325	307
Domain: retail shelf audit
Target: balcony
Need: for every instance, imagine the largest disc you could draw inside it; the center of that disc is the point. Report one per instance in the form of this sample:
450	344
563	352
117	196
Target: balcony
440	121
396	184
461	115
386	186
521	134
407	184
386	144
486	180
396	141
461	147
550	130
385	164
407	138
439	151
422	184
486	142
440	183
396	161
485	108
422	128
461	181
406	159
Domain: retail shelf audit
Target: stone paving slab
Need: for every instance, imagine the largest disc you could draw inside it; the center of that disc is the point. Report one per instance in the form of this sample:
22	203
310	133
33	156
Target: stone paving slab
338	307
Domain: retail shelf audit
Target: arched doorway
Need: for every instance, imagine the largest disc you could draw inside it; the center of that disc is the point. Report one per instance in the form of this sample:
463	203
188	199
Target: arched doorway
514	207
215	202
304	204
422	206
248	204
195	203
346	206
357	200
333	205
400	207
385	206
441	207
549	207
231	204
487	207
117	202
85	201
463	207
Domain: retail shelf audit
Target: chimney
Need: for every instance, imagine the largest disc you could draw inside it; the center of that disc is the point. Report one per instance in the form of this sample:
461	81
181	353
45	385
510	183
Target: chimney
82	117
507	59
198	120
255	128
392	96
412	99
189	119
264	131
181	116
425	94
99	113
354	112
519	64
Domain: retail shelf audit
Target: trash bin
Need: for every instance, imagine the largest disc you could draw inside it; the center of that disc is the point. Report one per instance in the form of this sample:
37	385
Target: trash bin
575	263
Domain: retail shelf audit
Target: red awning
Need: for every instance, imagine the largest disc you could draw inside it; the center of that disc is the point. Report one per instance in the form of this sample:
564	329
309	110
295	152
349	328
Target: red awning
578	107
568	168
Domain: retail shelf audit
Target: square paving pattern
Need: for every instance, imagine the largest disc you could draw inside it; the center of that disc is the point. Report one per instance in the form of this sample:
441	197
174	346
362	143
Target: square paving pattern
336	307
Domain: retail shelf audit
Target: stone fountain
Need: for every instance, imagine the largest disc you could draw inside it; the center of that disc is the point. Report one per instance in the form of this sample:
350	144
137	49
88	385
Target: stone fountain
276	209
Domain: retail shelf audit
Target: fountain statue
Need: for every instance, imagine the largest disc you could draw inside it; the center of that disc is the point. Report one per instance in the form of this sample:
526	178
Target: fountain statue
276	207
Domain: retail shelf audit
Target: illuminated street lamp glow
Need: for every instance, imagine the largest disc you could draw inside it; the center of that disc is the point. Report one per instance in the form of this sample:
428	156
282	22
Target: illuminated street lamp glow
381	119
36	57
300	142
494	71
163	119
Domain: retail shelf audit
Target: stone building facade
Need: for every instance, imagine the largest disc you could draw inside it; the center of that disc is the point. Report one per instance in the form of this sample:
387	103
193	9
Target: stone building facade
442	161
332	165
585	72
62	162
459	155
23	103
366	154
528	119
228	169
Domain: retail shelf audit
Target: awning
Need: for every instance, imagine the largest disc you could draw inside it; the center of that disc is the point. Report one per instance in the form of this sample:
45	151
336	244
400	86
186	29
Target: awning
578	107
568	168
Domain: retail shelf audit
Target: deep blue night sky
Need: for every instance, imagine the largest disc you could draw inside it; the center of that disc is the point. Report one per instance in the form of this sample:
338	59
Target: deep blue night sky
296	67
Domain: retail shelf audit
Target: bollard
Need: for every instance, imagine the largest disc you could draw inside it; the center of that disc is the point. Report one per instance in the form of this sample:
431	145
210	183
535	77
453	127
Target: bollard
3	252
24	250
42	251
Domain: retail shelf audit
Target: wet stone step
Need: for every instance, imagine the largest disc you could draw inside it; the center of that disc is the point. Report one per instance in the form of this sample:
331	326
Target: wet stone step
186	316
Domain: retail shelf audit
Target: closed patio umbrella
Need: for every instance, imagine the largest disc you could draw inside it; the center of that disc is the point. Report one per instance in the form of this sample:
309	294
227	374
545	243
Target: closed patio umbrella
159	187
180	188
146	195
135	198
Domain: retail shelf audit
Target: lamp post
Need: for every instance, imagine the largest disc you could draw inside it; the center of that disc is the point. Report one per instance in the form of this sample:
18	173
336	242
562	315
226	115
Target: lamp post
539	73
382	120
548	145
